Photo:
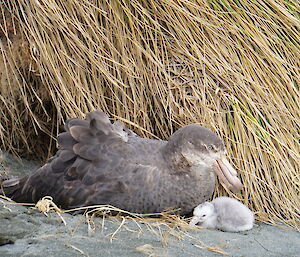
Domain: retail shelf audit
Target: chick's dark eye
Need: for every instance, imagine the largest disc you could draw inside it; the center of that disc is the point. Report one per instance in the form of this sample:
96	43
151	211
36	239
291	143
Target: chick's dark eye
204	215
209	147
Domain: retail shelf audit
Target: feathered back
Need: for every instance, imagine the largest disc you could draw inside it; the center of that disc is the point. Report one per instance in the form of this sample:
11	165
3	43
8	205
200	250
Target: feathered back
95	129
79	146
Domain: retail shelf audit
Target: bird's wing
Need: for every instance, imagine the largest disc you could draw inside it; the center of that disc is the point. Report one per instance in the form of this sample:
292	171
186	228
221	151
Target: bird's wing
89	153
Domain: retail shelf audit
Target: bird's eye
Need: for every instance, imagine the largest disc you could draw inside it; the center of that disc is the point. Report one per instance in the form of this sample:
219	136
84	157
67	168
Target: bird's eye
204	215
209	147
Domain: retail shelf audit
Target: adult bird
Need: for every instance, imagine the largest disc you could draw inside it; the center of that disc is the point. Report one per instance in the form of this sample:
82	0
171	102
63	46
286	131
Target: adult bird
99	162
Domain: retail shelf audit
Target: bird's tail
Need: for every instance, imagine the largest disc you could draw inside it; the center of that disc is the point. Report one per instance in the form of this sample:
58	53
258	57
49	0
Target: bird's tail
11	187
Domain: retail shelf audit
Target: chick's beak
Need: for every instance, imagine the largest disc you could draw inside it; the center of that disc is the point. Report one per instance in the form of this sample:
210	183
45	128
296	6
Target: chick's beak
227	173
194	220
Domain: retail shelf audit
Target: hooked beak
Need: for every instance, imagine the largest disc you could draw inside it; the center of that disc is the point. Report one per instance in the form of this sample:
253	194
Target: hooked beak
227	174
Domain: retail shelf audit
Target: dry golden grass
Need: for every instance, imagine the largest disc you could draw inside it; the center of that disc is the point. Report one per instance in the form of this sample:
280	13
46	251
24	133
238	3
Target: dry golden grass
232	66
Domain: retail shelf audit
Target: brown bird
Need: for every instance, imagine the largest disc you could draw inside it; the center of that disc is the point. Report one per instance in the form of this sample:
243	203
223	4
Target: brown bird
99	162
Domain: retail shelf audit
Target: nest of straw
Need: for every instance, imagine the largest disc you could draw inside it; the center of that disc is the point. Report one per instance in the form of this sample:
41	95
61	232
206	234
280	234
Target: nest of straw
230	66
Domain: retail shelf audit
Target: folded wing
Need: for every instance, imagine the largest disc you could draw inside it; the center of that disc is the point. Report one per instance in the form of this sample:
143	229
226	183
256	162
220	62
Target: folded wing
88	153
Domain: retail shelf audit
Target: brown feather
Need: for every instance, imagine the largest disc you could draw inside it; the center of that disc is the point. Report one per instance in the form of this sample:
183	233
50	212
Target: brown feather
102	163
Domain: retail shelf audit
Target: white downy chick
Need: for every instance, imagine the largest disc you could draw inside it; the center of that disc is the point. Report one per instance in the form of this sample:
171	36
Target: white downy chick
223	213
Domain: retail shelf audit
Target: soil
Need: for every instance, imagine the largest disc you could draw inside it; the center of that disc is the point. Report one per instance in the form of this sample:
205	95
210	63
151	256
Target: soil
28	232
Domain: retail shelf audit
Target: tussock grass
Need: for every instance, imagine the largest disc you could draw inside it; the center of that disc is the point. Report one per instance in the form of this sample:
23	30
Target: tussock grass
232	66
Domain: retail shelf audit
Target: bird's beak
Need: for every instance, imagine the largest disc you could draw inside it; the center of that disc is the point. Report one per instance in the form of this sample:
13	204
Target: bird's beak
194	221
227	173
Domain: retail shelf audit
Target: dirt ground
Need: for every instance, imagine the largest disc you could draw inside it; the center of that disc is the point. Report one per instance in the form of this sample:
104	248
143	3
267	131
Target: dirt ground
27	232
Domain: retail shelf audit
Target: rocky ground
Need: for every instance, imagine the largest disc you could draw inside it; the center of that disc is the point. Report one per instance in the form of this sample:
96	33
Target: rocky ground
26	231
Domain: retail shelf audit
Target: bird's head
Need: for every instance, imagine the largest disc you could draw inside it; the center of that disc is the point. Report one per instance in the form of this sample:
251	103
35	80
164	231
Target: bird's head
202	212
195	145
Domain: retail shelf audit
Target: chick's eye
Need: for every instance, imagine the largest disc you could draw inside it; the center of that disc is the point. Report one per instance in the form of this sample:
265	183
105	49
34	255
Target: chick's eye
209	147
204	215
